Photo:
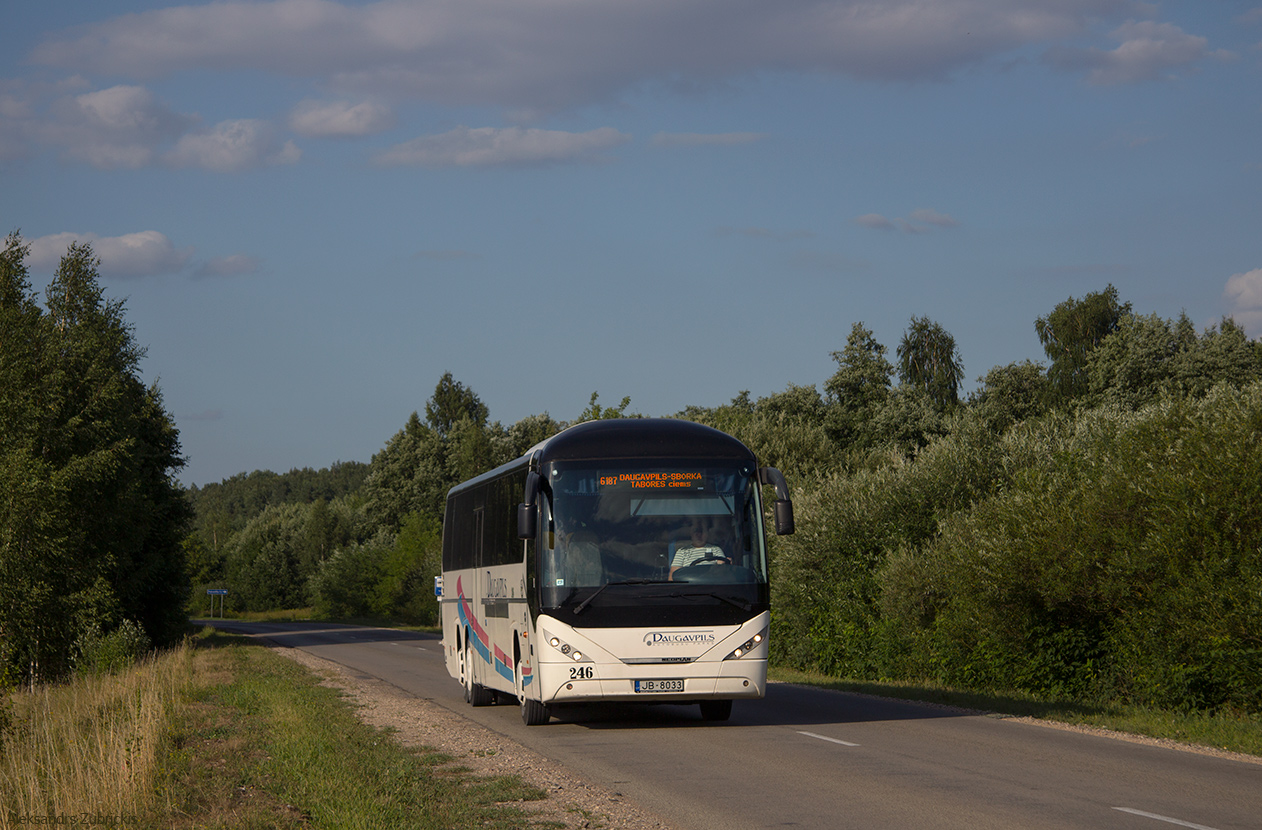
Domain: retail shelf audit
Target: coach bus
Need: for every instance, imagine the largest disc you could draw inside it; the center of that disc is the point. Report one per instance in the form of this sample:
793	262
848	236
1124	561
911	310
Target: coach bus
619	560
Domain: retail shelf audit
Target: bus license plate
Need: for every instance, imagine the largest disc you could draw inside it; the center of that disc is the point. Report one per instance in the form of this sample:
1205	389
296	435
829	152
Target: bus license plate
659	685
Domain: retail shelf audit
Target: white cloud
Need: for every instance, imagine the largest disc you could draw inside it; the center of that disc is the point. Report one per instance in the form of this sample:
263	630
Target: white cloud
547	55
929	216
921	220
1244	293
875	221
142	254
1147	51
228	266
128	127
494	146
704	139
232	146
117	127
340	119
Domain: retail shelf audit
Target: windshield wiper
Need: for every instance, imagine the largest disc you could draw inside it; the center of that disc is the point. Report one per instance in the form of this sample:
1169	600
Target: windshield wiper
579	608
741	604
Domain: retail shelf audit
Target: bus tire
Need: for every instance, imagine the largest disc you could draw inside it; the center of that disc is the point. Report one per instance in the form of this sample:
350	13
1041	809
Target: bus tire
716	709
534	713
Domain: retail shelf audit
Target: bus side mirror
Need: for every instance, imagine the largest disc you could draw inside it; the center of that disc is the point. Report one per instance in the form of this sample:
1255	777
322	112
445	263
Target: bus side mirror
527	521
527	515
783	505
784	517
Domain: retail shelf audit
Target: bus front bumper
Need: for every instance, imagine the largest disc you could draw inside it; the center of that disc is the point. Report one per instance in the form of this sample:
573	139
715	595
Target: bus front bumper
666	683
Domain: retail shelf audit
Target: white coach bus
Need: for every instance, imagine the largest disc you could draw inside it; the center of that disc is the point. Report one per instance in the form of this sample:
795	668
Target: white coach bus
620	560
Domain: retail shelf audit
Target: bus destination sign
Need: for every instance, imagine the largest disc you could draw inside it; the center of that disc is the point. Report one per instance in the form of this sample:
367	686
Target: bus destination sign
658	480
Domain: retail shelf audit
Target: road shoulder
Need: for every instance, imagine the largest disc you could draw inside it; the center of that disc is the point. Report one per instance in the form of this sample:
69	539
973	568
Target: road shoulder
572	802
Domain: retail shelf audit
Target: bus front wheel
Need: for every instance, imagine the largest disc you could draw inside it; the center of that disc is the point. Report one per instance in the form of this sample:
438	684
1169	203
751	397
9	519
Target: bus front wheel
533	712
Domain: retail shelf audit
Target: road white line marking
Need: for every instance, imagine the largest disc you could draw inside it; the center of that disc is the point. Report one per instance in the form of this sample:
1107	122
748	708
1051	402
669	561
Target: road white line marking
826	738
1179	822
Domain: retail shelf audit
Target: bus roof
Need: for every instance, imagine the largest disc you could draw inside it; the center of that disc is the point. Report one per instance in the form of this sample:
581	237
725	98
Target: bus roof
662	438
641	438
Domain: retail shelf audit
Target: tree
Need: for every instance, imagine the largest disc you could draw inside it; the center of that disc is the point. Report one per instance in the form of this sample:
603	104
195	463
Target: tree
91	520
450	403
929	359
595	412
408	475
417	467
1146	357
527	432
858	388
1071	332
1010	394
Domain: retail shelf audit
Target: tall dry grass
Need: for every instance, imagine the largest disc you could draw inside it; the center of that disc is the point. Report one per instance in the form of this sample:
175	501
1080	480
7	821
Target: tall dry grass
91	748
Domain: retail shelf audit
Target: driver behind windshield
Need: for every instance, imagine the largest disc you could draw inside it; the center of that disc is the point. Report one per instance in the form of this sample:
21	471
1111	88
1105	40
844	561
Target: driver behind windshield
698	552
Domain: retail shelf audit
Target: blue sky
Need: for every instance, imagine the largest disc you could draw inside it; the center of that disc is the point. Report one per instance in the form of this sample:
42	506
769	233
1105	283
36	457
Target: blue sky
315	208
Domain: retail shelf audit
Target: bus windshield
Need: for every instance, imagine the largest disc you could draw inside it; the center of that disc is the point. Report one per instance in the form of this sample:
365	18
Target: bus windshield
632	523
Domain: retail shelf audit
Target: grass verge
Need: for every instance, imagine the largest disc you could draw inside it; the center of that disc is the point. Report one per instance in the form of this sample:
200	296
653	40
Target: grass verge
1234	732
222	733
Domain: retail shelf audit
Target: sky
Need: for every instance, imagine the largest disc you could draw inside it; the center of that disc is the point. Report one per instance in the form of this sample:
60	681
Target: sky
314	208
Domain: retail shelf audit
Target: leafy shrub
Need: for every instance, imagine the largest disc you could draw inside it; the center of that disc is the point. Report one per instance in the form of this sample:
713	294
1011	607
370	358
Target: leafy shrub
827	588
345	584
404	590
100	653
1122	558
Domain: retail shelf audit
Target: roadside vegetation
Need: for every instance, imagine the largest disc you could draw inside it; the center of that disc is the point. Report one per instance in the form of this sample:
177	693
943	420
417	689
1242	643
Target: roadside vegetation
219	732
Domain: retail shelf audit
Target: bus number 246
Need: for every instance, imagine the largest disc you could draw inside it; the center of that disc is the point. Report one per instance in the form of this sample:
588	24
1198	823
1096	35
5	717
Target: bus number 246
582	672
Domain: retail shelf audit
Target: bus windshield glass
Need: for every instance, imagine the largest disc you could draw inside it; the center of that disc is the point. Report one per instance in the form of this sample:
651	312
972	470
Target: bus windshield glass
659	525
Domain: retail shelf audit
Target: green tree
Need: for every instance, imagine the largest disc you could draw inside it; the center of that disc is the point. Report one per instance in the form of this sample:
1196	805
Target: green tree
596	412
1010	394
421	462
1147	357
405	589
263	566
1070	333
409	474
451	403
929	359
91	520
527	432
858	388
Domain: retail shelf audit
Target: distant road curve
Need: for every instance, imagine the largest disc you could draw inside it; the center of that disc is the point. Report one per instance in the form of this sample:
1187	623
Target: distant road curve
808	758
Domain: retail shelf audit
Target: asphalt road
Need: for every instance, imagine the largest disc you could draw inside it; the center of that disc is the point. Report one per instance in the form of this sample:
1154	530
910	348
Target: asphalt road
819	759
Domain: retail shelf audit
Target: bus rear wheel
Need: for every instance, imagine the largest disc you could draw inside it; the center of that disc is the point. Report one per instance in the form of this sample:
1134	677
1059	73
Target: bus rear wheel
716	709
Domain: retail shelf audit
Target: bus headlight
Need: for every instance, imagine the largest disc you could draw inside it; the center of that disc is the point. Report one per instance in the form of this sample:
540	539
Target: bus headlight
748	646
568	650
